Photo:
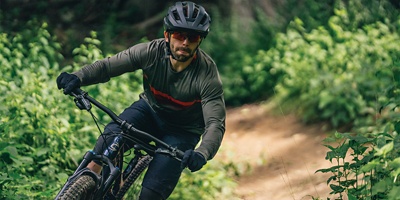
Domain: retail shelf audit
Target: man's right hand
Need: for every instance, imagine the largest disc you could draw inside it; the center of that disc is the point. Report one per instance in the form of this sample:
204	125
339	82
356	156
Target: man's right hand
68	82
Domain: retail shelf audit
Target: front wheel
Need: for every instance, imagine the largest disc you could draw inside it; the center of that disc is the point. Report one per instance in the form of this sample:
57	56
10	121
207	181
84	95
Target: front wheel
81	188
142	164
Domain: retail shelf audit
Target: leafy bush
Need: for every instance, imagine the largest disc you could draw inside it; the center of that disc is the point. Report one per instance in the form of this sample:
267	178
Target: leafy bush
232	49
28	60
331	74
357	14
367	162
43	139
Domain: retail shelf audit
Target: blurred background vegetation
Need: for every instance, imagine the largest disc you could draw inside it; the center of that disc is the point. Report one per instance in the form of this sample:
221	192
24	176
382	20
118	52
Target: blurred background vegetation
333	61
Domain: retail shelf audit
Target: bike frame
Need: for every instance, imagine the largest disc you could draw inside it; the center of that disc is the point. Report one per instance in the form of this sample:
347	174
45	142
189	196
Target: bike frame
110	172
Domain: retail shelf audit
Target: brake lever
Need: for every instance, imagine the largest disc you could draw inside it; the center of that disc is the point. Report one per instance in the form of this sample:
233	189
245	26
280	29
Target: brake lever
80	101
168	152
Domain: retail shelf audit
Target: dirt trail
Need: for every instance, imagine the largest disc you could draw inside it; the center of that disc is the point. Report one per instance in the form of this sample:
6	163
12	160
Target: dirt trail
283	154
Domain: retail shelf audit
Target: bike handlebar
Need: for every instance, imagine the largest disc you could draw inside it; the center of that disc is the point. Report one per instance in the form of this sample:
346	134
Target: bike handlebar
84	101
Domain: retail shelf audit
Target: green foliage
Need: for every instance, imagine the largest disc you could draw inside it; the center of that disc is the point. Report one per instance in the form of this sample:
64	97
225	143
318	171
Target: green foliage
31	141
42	138
346	72
209	183
323	41
232	48
373	170
357	14
332	74
314	13
345	171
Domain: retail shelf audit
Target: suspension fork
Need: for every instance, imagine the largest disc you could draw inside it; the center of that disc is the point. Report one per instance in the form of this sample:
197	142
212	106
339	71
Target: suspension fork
111	173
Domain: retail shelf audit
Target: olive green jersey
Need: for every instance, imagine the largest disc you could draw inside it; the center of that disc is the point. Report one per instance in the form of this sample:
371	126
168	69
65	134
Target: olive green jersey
191	99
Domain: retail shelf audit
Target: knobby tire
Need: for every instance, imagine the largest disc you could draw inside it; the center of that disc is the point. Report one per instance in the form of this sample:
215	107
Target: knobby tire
142	164
80	188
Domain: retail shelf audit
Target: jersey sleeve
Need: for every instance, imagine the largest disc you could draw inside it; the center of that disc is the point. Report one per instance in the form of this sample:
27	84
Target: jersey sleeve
214	114
125	61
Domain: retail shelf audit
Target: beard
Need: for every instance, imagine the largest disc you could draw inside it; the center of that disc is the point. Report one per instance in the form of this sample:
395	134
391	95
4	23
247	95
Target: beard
180	57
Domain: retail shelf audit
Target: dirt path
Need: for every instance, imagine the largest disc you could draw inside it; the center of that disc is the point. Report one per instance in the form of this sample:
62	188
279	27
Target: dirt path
283	154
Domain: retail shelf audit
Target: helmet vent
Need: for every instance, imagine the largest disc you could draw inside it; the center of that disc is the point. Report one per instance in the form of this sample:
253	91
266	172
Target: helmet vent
185	11
195	13
203	21
176	15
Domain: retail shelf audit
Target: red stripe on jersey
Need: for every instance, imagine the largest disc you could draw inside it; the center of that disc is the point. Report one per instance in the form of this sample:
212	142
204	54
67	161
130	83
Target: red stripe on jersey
166	99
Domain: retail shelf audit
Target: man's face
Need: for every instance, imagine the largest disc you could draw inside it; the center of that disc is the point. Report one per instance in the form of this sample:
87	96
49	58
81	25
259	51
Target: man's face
183	45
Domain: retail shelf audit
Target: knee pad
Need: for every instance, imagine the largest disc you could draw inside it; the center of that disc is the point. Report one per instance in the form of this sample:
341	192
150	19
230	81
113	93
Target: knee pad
148	194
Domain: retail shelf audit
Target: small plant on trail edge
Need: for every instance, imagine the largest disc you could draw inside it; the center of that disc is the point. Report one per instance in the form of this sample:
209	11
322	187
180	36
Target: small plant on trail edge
365	168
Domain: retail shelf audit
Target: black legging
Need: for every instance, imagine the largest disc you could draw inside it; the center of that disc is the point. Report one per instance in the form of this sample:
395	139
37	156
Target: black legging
147	194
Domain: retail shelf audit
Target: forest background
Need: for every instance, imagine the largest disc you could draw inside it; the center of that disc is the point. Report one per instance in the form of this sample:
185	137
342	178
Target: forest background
334	61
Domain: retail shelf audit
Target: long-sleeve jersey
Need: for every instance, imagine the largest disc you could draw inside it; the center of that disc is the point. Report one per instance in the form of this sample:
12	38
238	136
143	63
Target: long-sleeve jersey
191	99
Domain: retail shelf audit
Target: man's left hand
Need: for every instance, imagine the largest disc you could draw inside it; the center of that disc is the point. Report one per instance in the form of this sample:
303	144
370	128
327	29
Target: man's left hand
193	160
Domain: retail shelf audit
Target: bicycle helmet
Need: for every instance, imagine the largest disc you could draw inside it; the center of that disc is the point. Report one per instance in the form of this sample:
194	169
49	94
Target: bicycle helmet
187	16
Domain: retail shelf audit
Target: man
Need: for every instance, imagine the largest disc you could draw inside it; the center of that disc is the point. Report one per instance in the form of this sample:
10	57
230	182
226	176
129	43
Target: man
182	99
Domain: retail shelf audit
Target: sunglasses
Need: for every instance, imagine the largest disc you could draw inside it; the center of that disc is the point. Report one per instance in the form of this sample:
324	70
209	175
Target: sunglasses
182	36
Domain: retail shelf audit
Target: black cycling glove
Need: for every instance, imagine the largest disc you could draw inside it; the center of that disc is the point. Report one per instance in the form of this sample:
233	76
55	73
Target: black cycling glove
193	160
68	82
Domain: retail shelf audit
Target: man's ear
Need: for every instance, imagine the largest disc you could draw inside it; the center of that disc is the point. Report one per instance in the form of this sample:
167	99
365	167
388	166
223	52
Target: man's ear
166	36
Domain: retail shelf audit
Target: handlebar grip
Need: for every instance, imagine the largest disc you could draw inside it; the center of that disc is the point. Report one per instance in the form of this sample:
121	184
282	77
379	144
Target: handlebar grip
77	91
180	154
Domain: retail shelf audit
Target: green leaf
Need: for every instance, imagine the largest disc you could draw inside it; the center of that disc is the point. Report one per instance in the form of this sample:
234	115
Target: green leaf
62	177
395	173
330	147
337	188
395	163
331	169
3	145
384	150
332	178
394	193
370	166
14	175
12	150
42	151
381	186
26	160
351	197
338	135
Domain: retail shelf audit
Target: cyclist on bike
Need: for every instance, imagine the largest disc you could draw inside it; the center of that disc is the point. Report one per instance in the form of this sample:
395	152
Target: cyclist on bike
182	100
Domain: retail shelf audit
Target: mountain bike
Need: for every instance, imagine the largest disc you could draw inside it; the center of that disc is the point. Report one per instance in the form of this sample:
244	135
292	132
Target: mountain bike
116	176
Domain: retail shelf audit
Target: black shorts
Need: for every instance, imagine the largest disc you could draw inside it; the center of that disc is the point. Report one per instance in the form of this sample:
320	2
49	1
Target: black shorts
163	172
